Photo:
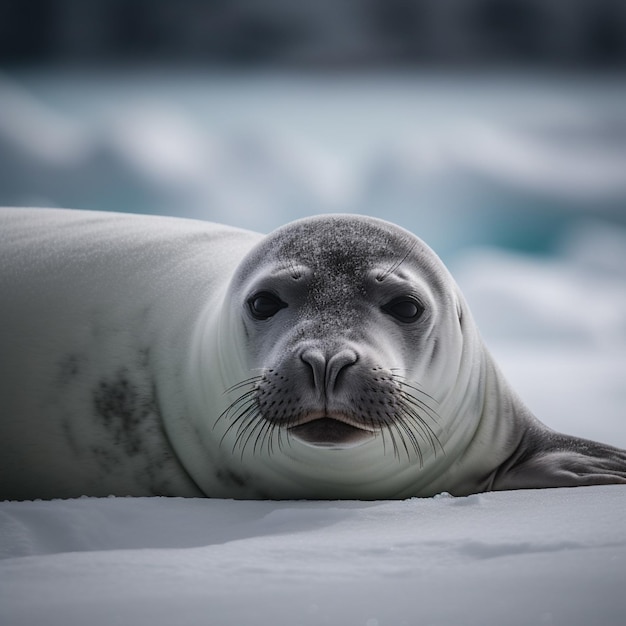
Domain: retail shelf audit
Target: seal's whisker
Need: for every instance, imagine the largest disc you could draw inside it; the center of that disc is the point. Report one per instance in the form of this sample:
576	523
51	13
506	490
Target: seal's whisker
269	437
243	383
396	265
421	411
264	435
417	410
241	432
246	417
247	414
280	436
274	439
402	381
270	441
420	405
388	428
412	438
250	428
257	437
238	408
234	406
416	419
396	426
416	431
376	425
414	412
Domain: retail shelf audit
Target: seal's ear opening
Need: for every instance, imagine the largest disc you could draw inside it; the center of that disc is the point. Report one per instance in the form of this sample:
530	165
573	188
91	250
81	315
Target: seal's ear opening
459	312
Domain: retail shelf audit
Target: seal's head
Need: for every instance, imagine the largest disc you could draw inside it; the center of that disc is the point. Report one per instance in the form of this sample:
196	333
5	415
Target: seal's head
346	322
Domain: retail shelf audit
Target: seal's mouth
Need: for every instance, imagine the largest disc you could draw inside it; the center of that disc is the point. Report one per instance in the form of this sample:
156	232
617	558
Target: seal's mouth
331	432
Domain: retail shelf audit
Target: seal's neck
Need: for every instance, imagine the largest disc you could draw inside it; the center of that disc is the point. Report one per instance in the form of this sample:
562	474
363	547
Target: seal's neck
497	433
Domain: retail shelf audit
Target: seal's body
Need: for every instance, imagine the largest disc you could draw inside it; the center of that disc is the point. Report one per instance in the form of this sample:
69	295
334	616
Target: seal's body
333	358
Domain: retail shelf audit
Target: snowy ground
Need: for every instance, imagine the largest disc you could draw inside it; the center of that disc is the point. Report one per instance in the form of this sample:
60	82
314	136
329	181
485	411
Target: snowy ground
556	323
517	558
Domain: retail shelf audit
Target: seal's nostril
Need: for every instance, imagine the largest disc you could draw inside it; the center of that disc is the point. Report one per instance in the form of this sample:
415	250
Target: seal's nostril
337	366
328	372
317	362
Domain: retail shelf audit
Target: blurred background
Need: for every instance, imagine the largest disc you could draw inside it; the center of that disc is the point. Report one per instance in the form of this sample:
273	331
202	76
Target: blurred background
467	121
493	129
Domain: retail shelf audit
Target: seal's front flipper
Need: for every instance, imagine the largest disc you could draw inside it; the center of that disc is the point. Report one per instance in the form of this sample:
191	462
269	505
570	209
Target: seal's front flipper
556	460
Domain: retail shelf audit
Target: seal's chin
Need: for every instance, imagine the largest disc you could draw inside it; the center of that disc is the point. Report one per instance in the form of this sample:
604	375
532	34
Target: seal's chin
327	432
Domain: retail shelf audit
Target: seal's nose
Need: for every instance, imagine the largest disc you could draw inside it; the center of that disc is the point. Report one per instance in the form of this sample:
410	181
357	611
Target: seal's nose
327	372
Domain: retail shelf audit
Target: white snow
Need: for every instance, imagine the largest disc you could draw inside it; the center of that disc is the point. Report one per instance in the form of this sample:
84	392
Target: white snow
529	557
556	324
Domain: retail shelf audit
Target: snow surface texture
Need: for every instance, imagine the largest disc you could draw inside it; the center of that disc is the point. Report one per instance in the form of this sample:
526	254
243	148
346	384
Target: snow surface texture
556	556
556	324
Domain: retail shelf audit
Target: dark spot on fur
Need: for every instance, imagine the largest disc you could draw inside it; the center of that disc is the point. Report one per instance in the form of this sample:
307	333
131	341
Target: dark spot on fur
69	368
66	427
106	457
127	406
144	358
230	478
122	410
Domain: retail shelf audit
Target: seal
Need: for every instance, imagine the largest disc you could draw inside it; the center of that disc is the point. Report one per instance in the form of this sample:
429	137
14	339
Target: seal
332	358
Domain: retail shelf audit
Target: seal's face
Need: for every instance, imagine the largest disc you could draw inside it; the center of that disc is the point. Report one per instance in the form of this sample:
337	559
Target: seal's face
344	322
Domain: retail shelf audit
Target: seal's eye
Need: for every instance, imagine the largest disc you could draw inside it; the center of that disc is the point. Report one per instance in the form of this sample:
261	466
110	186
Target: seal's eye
264	305
405	309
